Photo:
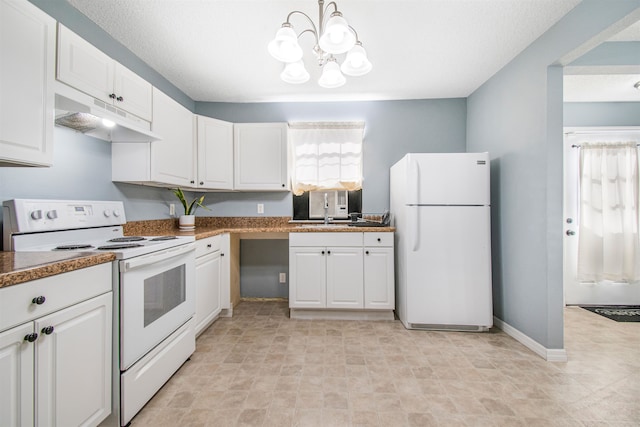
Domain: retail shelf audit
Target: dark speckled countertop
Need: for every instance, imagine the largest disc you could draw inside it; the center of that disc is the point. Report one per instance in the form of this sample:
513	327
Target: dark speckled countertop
20	267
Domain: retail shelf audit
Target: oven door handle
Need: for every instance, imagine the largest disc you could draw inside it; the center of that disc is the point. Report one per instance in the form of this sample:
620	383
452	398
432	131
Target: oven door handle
155	257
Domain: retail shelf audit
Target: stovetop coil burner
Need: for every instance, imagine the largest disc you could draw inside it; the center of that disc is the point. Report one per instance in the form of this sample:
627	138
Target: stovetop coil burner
127	239
119	246
158	239
72	247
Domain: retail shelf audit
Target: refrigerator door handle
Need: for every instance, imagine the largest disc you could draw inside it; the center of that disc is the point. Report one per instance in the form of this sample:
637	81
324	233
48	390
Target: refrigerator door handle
414	213
414	180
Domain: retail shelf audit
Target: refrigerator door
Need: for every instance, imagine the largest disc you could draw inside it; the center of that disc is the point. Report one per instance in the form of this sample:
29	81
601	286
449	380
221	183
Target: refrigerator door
448	277
448	179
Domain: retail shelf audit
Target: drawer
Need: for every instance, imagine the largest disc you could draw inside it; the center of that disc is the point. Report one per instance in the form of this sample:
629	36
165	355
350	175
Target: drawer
208	245
60	291
378	239
325	239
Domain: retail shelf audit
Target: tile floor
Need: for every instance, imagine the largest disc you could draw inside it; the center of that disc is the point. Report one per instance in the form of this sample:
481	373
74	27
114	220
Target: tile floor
260	368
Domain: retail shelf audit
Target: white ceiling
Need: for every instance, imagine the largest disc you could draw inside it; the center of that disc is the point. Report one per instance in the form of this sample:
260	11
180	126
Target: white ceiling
216	50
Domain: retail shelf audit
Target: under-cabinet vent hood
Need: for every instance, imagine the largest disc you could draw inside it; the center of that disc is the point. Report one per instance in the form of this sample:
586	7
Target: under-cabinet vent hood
90	116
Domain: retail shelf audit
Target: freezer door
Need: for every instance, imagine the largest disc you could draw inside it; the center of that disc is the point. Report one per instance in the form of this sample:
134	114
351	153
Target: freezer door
448	179
448	279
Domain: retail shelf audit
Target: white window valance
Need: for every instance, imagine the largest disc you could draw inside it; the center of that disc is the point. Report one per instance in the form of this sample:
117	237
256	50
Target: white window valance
325	156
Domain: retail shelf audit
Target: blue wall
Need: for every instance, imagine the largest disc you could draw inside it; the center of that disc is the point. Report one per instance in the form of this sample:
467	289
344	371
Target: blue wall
517	116
602	113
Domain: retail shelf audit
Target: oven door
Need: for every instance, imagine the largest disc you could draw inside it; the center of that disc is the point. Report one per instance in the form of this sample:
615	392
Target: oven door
157	296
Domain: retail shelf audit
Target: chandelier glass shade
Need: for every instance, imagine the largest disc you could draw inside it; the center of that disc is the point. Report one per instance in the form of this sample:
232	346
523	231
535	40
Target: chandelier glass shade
333	36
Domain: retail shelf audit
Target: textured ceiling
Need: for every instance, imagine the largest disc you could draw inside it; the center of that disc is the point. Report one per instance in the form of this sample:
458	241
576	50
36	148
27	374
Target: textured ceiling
216	50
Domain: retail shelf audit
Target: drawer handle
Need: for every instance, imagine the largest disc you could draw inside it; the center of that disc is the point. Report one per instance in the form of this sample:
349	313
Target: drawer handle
31	337
48	330
39	300
222	254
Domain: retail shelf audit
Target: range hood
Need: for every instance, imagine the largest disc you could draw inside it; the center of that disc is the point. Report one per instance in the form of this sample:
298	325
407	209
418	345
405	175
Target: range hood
83	113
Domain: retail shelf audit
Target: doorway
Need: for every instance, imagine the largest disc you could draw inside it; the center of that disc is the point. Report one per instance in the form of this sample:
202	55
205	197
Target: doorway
600	292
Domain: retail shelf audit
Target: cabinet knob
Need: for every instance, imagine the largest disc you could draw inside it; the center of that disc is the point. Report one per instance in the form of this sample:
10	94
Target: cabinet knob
48	330
120	99
209	245
201	182
379	240
367	252
39	300
328	252
283	185
112	95
222	254
31	337
192	182
322	252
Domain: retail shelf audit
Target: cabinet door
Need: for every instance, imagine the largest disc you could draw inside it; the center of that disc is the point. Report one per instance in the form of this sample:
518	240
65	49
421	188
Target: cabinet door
73	364
260	156
172	159
307	277
215	154
133	93
16	377
83	66
379	289
208	270
344	277
225	271
27	49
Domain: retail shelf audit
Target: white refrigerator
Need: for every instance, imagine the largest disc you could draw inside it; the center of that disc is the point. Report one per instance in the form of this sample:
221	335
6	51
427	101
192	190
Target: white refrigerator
441	209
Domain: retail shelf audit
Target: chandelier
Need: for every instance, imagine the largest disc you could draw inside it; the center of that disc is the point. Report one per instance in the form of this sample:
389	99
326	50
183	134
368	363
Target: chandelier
333	37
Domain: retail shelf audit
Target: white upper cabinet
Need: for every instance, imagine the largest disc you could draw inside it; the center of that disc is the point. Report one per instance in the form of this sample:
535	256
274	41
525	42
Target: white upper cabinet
86	68
260	160
172	159
27	58
215	154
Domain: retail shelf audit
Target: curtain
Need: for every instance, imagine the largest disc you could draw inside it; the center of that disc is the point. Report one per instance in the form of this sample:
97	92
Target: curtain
325	156
608	247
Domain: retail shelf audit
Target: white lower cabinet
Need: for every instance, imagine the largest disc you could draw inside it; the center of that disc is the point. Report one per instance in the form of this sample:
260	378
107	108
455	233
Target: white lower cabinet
212	279
55	350
344	270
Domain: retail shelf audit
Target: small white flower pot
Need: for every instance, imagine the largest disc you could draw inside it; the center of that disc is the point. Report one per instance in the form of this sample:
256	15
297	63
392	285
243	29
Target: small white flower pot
187	222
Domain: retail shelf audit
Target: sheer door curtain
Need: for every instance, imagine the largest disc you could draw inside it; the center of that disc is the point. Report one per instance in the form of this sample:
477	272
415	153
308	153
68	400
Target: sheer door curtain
609	246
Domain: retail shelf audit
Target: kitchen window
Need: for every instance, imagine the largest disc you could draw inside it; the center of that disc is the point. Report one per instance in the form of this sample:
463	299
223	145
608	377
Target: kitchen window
325	156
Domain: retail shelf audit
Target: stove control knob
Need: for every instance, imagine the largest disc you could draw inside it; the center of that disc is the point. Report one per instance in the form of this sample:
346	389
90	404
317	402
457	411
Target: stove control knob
107	213
36	214
116	213
52	214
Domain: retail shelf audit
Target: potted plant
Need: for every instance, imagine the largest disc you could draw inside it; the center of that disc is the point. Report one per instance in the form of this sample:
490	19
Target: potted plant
188	220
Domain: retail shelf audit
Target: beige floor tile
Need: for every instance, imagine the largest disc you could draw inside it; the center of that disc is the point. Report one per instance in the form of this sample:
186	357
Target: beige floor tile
260	368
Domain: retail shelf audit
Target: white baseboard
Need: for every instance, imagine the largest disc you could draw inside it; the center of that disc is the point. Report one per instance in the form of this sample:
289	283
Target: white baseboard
548	354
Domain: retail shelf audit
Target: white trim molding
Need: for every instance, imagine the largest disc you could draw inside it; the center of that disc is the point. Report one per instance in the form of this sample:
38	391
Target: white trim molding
548	354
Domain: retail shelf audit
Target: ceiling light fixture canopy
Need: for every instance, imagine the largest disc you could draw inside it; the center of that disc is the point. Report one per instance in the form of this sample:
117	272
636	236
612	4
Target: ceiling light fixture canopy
333	37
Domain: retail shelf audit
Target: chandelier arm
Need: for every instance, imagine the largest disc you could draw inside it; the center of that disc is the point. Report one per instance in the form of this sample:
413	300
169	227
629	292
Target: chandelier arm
356	34
323	12
314	30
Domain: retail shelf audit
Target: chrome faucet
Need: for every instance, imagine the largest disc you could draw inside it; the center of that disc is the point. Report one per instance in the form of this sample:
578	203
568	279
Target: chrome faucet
326	208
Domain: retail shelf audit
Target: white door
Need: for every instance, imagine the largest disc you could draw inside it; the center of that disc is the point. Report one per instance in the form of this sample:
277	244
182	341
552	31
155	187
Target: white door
576	292
73	364
16	377
172	159
208	271
215	154
85	67
449	266
27	64
379	278
307	277
260	156
133	93
345	280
